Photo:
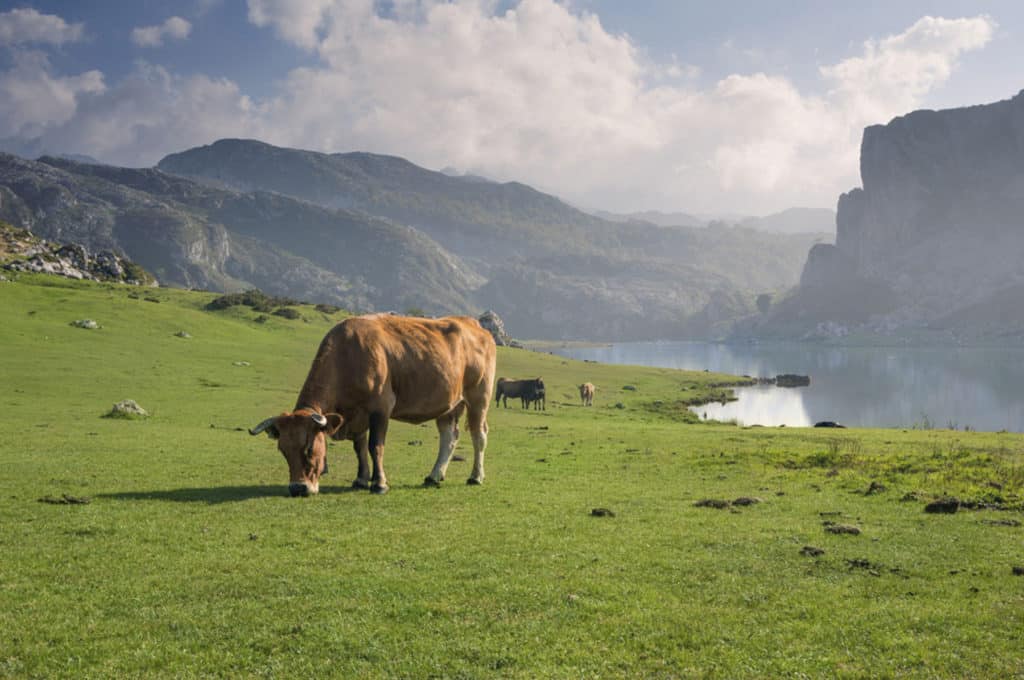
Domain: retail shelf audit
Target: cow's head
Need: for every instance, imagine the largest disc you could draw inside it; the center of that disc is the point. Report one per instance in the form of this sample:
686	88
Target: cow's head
302	440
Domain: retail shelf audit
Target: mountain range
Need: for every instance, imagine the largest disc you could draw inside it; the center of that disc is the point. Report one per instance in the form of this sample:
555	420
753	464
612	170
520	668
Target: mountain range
373	232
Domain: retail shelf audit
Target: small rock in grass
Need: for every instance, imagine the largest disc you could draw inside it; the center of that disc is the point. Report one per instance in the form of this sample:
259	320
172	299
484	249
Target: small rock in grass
842	529
943	505
128	408
242	363
619	405
717	503
416	442
87	324
1018	571
811	551
746	500
183	334
629	388
253	537
601	512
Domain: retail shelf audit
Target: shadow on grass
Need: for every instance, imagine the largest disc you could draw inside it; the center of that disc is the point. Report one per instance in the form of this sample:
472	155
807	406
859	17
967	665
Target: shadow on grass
214	495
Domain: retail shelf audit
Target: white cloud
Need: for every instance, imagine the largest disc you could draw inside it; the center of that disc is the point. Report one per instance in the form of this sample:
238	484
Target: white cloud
153	36
26	25
33	100
548	96
537	93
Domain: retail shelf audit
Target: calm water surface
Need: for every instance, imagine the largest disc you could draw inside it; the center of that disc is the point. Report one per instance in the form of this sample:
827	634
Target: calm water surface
980	388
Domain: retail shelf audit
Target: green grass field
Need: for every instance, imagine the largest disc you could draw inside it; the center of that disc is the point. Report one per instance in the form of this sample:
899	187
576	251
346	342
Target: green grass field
191	561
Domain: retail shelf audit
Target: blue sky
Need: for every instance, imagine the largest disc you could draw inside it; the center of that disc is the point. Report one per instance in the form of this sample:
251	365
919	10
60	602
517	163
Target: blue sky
724	106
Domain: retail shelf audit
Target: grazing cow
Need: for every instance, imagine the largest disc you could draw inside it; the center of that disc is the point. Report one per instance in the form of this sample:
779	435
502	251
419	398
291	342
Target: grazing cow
587	394
370	369
528	391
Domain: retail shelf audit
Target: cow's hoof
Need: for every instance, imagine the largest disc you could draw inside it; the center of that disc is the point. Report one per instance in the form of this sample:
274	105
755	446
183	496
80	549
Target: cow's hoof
360	484
473	481
378	489
430	481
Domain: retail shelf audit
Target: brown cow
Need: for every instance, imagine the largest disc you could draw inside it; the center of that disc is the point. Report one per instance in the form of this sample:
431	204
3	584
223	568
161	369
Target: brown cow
370	369
587	394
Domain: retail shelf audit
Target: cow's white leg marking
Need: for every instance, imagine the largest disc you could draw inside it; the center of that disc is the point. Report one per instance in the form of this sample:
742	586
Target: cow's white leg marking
479	444
444	451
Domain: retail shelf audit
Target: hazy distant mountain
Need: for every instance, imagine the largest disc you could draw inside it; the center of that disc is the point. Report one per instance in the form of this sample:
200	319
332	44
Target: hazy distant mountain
192	235
661	219
795	221
555	271
933	244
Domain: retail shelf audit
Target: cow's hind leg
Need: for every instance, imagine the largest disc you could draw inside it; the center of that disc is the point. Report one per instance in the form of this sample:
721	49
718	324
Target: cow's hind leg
478	431
362	448
448	431
378	433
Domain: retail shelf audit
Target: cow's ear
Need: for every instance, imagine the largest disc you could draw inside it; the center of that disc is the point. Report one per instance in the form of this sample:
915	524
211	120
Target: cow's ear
334	423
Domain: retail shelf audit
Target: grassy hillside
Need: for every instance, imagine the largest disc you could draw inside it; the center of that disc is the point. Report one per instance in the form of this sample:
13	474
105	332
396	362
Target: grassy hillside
190	559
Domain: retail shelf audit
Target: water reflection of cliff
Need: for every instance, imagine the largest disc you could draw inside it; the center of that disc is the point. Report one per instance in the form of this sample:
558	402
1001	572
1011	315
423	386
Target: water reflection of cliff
858	386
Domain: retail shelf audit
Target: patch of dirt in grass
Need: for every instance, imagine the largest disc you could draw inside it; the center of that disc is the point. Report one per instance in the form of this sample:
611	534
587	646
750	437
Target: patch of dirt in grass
1001	522
717	503
746	500
842	529
66	499
601	512
943	506
873	488
811	551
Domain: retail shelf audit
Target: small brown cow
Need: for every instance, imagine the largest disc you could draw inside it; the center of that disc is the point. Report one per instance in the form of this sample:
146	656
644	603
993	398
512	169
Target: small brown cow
587	394
370	369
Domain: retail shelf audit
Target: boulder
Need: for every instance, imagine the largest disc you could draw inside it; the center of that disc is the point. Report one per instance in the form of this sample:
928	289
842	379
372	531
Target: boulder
493	324
127	408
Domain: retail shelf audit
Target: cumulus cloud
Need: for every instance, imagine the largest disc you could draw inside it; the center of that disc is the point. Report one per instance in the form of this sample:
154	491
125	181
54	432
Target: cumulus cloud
537	92
174	28
547	95
26	25
33	99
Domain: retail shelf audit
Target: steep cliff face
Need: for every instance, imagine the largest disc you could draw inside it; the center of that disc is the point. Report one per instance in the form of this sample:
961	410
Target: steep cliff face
937	227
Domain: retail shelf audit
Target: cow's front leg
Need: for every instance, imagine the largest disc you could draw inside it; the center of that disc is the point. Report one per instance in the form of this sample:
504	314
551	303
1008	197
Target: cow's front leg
362	449
378	433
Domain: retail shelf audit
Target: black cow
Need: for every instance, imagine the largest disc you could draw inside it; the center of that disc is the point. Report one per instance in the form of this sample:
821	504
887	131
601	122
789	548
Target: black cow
528	391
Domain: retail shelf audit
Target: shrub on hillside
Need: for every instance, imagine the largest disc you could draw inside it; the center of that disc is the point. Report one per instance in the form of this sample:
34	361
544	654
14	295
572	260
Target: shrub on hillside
288	313
255	298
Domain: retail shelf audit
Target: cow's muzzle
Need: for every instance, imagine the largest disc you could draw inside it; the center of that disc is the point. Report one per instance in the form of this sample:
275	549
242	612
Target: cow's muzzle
298	489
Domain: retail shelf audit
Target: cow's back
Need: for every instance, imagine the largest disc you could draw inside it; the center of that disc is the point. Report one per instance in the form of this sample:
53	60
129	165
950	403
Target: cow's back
423	365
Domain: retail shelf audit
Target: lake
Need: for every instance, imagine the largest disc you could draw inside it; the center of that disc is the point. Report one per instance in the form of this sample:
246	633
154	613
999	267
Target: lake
980	388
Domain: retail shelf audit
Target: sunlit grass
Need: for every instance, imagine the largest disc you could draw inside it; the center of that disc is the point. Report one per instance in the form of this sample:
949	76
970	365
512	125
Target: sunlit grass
190	559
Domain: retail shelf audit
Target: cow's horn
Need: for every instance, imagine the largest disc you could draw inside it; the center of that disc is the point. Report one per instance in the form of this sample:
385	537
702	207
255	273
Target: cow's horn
262	426
319	419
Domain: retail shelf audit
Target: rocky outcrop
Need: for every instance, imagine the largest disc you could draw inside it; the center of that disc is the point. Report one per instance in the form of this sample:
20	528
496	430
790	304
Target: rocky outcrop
493	324
28	253
938	227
